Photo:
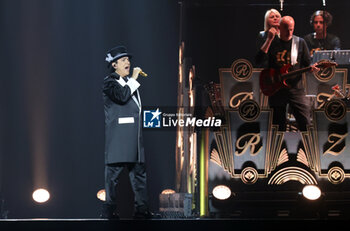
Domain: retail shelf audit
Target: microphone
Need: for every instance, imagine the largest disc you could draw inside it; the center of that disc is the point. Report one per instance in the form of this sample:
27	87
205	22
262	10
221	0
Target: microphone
281	4
143	74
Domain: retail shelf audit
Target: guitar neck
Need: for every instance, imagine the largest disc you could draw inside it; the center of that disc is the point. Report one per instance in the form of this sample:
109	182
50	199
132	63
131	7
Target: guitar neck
296	72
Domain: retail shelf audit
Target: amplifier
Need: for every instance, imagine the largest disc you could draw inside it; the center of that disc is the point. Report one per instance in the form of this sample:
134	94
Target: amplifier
339	56
175	205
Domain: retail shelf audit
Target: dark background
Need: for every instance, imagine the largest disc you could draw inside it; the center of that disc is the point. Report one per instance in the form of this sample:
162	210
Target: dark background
52	68
52	120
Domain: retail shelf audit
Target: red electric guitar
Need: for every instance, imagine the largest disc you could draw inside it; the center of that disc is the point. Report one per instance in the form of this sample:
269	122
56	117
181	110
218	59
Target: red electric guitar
272	80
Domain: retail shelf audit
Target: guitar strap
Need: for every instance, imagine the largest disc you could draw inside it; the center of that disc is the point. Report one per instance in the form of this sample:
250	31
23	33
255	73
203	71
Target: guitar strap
294	51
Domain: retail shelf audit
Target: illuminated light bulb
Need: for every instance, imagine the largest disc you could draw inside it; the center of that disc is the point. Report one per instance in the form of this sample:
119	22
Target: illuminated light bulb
41	195
101	195
311	192
168	191
221	192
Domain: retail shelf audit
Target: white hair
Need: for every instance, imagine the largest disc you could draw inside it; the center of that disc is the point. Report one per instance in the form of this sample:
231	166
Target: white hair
267	14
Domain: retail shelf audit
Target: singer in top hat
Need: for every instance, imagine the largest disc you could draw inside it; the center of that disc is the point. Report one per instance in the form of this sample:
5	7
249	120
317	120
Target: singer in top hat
123	133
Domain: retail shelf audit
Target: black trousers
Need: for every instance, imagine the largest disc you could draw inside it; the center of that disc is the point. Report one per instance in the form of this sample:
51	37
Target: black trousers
137	175
299	105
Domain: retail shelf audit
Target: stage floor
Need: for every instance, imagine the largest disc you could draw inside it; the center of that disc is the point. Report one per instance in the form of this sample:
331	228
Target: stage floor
165	224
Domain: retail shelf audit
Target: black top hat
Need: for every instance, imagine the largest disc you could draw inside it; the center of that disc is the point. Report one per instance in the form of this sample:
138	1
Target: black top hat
116	53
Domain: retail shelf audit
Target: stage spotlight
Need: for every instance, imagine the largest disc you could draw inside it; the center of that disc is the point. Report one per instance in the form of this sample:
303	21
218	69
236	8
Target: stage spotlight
101	195
311	192
168	191
221	192
41	195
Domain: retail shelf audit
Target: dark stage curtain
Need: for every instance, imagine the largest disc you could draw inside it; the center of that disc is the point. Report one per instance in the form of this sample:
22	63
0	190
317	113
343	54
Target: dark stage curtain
52	121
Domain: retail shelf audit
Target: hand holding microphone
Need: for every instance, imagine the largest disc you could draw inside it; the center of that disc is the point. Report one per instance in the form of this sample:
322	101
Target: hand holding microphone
138	71
143	73
272	33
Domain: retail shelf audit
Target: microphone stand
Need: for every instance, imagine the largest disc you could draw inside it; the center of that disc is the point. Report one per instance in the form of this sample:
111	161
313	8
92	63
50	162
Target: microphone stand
324	28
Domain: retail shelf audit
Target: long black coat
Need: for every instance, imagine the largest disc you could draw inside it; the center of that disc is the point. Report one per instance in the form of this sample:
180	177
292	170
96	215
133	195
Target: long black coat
123	132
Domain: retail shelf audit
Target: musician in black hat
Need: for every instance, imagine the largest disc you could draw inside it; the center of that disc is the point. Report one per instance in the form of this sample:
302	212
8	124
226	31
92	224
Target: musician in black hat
123	133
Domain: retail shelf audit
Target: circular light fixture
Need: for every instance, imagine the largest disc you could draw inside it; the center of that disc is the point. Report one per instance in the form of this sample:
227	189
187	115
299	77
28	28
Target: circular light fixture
221	192
101	195
41	195
168	191
311	192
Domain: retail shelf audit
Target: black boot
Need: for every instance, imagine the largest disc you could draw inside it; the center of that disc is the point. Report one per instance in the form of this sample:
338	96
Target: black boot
144	215
108	212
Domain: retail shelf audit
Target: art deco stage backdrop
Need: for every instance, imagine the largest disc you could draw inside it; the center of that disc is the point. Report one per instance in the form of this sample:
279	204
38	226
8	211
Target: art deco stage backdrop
52	122
260	172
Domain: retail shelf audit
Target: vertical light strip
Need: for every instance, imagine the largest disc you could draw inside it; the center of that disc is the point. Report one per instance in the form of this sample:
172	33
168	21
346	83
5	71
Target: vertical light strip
36	89
179	133
190	164
203	174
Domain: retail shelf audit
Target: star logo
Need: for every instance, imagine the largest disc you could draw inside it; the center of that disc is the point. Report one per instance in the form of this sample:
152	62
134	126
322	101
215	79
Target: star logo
152	118
156	114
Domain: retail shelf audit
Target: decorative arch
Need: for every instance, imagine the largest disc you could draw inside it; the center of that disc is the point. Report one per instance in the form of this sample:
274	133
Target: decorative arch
292	173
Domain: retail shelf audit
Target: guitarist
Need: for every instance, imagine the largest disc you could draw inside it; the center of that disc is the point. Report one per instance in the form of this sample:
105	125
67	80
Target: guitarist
287	49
